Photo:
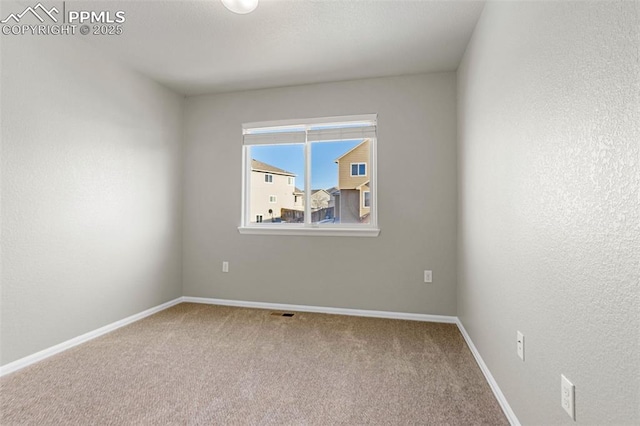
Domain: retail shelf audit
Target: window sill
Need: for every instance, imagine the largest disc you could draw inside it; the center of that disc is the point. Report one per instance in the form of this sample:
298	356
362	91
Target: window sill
310	231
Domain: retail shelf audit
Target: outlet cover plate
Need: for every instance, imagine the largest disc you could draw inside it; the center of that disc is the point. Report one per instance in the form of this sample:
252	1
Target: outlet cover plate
568	397
520	340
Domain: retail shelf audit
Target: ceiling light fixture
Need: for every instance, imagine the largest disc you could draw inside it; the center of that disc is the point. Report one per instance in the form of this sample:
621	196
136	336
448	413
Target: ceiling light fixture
240	6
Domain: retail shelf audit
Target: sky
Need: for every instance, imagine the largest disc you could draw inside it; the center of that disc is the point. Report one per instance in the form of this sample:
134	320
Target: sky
324	170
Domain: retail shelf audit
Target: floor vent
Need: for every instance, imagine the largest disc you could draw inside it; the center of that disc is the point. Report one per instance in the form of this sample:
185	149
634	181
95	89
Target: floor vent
282	314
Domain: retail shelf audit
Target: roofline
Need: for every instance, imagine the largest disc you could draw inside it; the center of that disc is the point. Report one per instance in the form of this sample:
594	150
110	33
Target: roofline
352	149
271	172
362	184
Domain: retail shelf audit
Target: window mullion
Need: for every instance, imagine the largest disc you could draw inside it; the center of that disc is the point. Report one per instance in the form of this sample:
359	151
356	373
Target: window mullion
307	179
373	183
245	187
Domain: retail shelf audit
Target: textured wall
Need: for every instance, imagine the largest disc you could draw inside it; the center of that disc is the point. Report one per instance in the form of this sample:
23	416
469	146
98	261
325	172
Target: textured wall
549	220
91	184
416	192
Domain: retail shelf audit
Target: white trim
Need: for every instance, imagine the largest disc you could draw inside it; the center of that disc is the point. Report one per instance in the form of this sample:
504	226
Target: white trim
322	310
307	183
266	176
301	122
246	181
274	198
364	204
338	133
46	353
506	408
358	164
373	181
270	137
321	125
315	230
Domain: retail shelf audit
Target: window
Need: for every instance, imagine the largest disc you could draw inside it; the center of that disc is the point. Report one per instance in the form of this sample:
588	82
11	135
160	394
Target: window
366	198
334	161
358	169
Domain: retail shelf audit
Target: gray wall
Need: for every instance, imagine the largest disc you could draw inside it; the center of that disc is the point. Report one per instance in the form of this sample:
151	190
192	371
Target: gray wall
549	220
91	184
416	192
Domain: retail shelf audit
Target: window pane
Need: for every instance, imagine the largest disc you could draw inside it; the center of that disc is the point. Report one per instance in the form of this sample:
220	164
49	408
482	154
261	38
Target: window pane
362	171
276	185
337	190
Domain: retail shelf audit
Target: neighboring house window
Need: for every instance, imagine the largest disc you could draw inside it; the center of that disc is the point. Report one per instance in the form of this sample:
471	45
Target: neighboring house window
358	169
334	159
366	198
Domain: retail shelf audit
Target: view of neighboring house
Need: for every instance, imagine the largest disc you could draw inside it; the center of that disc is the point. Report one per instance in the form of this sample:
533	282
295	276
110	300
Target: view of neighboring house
320	199
275	198
321	206
334	202
298	199
272	189
353	201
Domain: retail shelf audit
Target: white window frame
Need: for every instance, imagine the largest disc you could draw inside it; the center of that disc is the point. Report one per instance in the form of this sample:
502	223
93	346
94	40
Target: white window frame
290	181
270	178
364	198
304	131
274	198
259	218
358	164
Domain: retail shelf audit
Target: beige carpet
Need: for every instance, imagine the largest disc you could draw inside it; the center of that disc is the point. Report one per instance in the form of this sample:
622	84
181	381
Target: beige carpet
203	365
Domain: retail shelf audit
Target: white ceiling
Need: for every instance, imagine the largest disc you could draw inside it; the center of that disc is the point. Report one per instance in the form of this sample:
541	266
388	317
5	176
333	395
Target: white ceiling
197	47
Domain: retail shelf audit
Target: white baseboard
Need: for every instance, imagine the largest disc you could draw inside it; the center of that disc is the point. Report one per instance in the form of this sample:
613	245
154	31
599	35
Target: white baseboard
323	310
46	353
506	408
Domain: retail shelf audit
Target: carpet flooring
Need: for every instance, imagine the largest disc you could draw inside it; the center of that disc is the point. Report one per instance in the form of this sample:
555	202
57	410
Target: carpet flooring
198	364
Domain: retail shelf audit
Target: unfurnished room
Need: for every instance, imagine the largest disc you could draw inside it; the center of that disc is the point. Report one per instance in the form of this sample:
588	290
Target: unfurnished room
320	212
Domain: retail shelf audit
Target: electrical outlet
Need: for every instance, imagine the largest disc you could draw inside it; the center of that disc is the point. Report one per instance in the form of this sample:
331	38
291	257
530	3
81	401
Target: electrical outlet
225	266
568	398
520	338
428	277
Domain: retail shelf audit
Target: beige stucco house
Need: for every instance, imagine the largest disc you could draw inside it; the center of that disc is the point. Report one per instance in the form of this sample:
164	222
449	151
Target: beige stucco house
271	190
298	199
320	199
353	203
